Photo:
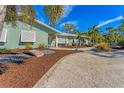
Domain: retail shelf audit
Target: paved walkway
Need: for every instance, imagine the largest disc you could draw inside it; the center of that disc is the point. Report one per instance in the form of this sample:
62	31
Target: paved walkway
85	70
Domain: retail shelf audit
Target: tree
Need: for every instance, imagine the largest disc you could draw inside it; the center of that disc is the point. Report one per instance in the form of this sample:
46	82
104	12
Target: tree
11	15
79	35
31	14
121	34
28	15
94	33
112	35
24	14
69	28
121	28
54	12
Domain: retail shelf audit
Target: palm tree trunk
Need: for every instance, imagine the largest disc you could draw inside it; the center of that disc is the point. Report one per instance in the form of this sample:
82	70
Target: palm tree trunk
2	16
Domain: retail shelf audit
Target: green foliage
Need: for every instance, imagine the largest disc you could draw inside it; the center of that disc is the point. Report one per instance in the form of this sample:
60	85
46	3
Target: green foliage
79	35
4	50
95	34
28	14
24	11
111	36
31	14
69	28
89	44
28	46
41	46
121	43
54	12
11	15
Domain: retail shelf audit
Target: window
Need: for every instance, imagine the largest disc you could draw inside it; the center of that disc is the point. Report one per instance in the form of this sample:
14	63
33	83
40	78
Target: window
28	36
3	35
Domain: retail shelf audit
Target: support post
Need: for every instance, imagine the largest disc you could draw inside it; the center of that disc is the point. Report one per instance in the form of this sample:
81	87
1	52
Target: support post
56	41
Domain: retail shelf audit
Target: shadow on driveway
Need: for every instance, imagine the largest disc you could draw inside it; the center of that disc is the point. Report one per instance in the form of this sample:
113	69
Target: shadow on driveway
118	53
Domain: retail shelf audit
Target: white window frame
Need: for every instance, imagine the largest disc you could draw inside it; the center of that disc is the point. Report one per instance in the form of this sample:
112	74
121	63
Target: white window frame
24	37
3	37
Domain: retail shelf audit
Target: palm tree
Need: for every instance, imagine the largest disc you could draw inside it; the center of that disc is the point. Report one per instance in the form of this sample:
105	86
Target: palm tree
112	34
28	15
121	28
54	12
32	14
79	35
94	33
11	15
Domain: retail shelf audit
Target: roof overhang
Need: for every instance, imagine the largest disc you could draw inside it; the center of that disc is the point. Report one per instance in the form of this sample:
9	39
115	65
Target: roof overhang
44	25
71	35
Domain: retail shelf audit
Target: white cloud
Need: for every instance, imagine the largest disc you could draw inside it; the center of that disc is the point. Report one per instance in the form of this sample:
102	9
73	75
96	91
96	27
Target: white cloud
67	11
110	21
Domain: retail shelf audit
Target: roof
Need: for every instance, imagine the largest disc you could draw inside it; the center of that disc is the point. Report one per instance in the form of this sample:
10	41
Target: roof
53	29
71	35
45	25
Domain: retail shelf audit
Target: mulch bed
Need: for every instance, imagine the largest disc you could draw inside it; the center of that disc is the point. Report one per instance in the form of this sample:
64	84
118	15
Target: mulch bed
27	74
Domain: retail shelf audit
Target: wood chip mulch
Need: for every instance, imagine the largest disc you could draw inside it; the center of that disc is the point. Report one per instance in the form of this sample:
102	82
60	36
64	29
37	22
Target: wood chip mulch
27	74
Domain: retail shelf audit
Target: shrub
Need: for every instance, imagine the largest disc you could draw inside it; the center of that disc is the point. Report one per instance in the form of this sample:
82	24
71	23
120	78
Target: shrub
103	47
28	46
90	44
121	43
3	68
4	50
41	46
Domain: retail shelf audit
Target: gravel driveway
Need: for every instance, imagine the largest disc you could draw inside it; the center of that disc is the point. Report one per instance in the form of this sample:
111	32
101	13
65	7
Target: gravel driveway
85	70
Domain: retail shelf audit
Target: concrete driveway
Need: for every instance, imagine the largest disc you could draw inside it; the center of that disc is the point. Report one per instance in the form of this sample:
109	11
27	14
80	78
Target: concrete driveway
85	70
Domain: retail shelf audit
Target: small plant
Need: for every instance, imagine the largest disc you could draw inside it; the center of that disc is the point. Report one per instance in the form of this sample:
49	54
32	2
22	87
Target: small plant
4	50
41	46
103	47
19	62
28	46
90	44
121	43
3	68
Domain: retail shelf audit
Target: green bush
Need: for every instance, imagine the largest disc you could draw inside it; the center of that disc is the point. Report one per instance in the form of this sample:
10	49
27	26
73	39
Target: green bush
41	46
89	44
28	46
4	50
121	43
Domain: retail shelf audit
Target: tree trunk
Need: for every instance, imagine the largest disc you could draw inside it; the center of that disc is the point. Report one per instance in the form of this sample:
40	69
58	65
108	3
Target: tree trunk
2	16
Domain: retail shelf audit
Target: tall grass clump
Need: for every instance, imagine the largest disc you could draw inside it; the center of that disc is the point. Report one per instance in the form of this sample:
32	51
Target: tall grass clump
103	47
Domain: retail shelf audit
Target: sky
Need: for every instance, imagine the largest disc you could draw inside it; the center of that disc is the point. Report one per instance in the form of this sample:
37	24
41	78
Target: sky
85	16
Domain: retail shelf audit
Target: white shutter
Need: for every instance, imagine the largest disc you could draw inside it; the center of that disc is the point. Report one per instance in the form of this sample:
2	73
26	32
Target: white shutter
3	36
28	36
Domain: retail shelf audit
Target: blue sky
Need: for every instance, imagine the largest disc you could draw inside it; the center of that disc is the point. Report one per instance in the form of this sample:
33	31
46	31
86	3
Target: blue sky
85	16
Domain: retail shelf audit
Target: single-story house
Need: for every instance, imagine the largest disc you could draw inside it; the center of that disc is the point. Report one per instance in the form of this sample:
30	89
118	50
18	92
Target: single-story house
19	35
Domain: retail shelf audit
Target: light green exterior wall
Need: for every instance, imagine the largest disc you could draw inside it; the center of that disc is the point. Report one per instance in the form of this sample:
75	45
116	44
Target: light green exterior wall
13	36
